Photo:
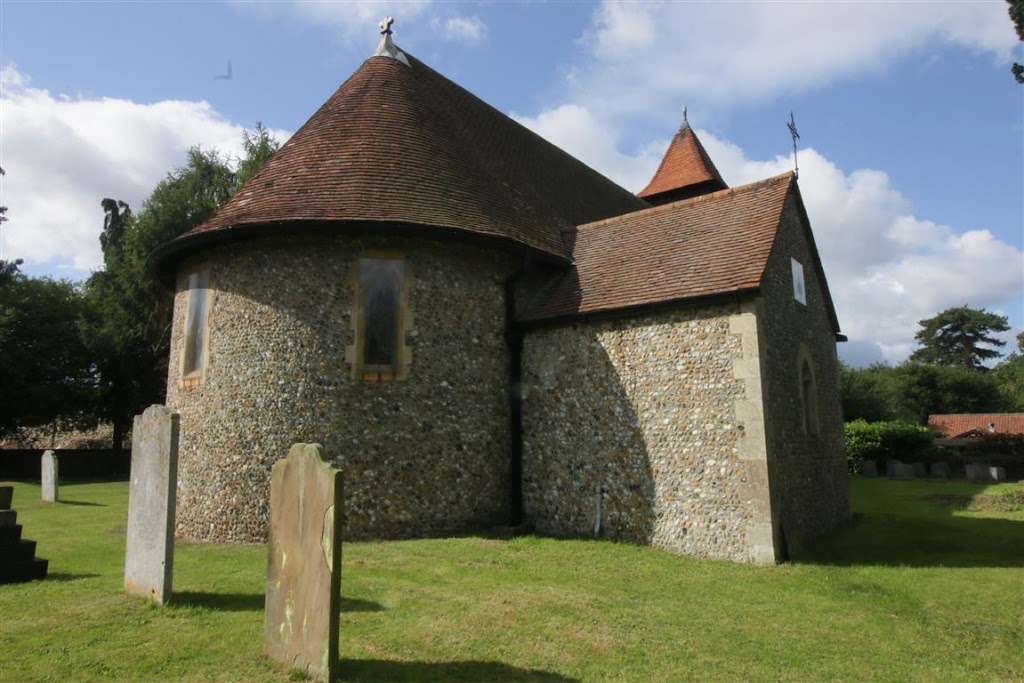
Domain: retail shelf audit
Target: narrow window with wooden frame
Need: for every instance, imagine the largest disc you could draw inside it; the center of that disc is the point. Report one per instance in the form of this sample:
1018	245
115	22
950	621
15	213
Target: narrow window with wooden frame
380	326
193	361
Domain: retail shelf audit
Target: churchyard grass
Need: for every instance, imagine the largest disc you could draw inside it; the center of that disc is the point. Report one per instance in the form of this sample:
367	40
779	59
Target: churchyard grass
917	588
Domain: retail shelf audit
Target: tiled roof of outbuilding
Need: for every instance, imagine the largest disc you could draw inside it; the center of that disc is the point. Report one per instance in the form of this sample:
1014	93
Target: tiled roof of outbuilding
714	244
957	425
403	144
686	163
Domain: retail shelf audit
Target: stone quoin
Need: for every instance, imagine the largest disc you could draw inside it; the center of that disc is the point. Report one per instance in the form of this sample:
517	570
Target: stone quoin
482	330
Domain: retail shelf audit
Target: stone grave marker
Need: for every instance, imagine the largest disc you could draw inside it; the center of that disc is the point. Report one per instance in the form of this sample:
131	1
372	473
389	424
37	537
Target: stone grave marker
890	467
997	473
939	470
304	563
149	550
983	473
920	469
901	471
18	561
49	475
868	468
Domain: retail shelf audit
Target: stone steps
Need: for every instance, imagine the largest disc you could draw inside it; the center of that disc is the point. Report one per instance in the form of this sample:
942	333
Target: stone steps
18	561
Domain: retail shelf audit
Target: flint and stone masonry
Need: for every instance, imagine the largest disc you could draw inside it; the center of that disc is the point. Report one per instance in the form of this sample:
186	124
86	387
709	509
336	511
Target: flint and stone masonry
149	550
49	475
280	324
303	603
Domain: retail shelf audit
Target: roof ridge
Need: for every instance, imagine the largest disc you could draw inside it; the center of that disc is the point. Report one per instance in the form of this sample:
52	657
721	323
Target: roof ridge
711	196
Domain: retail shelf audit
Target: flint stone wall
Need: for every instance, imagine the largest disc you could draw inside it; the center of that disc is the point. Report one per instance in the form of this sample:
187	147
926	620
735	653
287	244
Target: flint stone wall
809	474
424	455
646	409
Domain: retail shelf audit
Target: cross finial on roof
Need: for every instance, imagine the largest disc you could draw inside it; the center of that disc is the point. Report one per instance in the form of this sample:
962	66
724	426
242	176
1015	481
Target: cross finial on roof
686	119
796	136
386	48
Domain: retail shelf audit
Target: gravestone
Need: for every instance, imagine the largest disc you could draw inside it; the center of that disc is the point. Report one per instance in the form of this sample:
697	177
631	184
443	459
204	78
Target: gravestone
939	470
49	474
149	550
304	563
920	469
868	468
901	471
890	467
18	561
983	473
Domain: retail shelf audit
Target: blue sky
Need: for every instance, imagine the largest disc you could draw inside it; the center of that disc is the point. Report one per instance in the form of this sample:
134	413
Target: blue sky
912	156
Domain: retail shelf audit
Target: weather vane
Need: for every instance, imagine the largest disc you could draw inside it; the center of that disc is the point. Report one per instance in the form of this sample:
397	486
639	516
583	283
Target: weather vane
796	136
385	25
686	119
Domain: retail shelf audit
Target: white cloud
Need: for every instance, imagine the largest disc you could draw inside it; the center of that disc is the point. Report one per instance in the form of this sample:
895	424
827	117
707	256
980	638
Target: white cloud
887	268
461	28
64	154
640	57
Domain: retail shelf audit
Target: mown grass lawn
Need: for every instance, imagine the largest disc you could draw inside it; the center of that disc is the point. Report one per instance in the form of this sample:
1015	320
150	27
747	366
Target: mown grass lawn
913	590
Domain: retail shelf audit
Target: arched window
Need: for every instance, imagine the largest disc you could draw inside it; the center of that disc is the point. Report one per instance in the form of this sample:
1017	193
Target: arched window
808	396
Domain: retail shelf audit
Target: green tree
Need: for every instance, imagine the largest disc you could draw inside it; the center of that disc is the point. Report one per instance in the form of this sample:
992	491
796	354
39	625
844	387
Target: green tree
128	321
1009	376
866	393
919	390
47	374
1016	11
957	336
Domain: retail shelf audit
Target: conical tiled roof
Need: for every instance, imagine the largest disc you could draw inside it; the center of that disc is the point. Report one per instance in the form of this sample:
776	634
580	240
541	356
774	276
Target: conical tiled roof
686	171
400	144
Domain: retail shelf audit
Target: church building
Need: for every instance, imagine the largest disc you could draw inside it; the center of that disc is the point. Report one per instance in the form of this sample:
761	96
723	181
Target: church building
482	330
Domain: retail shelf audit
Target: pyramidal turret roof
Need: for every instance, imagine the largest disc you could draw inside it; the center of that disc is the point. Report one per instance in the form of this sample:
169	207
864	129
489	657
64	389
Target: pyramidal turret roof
400	144
686	171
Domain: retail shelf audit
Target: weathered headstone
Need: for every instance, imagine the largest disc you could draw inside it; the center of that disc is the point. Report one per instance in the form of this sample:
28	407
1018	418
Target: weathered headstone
983	473
939	470
304	563
49	473
901	471
868	468
890	467
920	469
149	551
6	497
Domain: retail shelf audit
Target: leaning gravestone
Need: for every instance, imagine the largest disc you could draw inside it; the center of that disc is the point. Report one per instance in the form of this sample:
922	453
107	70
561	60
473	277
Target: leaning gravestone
149	551
48	474
304	563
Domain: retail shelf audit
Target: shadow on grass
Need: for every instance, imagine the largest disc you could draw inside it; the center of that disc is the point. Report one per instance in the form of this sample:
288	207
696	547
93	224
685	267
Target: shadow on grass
383	670
255	602
67	576
82	502
918	530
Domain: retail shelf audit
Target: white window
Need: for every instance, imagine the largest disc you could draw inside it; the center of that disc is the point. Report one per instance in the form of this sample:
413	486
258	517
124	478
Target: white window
799	288
194	353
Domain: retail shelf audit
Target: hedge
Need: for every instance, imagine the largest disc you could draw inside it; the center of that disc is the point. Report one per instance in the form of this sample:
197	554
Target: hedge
881	441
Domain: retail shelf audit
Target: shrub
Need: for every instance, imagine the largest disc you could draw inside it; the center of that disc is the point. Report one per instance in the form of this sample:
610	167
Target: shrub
881	441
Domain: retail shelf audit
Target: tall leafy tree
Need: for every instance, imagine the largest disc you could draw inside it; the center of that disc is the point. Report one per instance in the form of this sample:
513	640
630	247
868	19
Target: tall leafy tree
1009	376
46	372
129	315
960	336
